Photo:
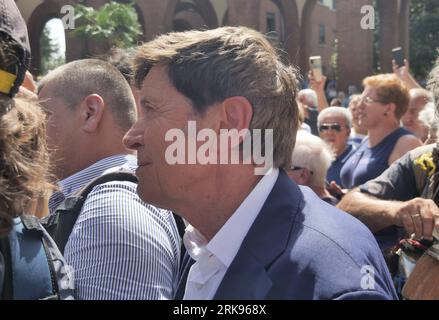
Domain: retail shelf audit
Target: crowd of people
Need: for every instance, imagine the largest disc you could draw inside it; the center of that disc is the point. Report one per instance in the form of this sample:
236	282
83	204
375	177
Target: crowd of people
91	208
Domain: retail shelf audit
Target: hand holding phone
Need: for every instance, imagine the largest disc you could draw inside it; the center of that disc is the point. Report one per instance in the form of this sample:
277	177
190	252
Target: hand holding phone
398	56
315	64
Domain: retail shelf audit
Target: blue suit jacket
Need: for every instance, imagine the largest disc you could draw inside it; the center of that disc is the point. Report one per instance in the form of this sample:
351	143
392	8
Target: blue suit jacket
300	247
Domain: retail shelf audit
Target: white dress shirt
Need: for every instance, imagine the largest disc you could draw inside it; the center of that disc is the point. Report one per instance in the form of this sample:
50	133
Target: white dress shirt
214	258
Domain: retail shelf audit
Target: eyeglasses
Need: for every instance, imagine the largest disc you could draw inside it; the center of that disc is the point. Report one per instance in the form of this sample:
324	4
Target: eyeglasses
369	100
300	168
326	127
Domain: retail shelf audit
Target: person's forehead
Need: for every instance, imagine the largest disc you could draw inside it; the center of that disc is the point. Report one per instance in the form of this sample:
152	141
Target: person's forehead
333	118
156	84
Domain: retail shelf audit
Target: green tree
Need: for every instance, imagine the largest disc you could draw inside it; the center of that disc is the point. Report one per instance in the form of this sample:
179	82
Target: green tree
424	35
50	54
376	38
115	24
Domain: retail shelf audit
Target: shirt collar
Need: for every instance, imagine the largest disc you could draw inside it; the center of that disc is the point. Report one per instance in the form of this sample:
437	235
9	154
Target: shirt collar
226	243
75	182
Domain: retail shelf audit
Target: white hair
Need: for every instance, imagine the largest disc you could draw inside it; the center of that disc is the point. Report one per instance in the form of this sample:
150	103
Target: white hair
339	111
429	118
310	96
417	93
314	154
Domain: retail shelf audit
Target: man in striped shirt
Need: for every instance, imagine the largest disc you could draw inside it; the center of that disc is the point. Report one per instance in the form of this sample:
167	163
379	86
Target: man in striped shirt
120	247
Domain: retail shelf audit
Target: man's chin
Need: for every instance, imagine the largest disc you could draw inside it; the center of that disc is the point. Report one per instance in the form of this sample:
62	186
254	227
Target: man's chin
149	196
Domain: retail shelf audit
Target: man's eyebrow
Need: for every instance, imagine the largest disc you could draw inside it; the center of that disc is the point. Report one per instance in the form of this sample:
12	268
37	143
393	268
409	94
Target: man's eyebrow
148	101
144	100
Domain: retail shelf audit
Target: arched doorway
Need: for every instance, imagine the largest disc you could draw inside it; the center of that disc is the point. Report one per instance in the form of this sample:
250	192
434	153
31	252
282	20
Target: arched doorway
286	21
271	22
190	14
52	46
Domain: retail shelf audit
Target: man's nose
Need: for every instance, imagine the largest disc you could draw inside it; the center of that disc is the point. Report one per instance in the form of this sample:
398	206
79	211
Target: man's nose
133	139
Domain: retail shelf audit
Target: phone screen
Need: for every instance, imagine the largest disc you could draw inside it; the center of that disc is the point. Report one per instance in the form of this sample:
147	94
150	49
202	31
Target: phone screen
315	64
398	56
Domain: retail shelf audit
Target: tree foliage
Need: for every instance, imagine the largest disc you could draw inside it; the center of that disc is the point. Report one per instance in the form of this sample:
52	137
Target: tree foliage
50	54
114	23
424	35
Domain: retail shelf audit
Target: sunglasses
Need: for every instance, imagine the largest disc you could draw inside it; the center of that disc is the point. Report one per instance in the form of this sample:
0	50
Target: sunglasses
326	127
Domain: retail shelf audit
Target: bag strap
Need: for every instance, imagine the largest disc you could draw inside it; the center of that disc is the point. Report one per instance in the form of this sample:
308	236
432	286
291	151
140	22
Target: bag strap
60	225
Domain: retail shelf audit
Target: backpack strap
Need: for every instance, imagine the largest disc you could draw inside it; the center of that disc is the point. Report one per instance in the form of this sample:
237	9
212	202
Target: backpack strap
28	269
60	224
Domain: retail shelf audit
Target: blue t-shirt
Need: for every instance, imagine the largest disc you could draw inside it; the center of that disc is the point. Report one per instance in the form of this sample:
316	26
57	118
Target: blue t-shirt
368	163
335	168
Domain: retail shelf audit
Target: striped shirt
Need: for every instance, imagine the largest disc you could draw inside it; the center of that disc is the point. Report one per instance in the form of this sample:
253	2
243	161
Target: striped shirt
120	247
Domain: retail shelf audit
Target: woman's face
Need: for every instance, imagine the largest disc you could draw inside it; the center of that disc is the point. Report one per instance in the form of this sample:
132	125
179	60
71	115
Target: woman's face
371	110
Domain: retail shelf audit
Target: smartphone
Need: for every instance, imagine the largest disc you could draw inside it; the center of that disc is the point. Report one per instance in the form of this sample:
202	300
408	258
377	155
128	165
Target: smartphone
315	64
398	56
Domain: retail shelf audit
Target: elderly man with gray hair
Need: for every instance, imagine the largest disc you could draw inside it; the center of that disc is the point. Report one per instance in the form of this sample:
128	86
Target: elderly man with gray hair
311	159
419	98
334	125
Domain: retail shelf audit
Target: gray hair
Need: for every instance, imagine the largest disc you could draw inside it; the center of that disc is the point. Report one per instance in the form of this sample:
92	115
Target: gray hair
313	153
310	96
417	93
339	111
428	116
433	84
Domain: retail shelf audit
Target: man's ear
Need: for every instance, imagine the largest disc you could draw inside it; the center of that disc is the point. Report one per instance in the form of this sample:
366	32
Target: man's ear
92	111
237	114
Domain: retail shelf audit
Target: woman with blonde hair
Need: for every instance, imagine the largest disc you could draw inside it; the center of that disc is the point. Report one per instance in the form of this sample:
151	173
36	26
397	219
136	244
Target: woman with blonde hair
384	101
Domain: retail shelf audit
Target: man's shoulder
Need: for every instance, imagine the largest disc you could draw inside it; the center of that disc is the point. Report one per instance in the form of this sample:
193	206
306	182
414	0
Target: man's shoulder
321	225
327	254
419	151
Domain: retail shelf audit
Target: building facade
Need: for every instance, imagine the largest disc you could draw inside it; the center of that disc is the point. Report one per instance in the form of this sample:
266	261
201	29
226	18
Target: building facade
302	28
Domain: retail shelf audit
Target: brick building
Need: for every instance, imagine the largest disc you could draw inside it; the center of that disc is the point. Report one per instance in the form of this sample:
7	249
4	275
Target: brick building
301	27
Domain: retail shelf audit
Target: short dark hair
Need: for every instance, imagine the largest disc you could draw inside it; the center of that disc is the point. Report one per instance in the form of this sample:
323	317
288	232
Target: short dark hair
213	65
75	80
122	60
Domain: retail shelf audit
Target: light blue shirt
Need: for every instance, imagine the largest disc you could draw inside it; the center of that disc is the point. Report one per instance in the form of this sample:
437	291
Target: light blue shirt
120	247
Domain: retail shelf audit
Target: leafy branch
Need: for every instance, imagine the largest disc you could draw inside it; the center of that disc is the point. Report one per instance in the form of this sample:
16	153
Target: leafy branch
114	23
